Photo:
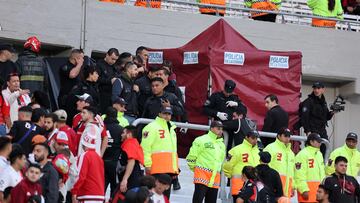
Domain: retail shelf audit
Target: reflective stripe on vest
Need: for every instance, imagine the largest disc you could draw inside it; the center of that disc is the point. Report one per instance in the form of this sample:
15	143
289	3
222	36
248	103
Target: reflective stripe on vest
153	3
262	5
206	177
313	186
164	162
32	78
323	23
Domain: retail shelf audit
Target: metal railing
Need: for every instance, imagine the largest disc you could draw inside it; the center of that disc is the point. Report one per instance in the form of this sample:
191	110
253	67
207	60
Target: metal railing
349	23
222	192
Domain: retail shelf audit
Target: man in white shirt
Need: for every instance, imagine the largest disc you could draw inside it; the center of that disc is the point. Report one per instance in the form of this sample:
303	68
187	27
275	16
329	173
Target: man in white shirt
15	96
91	127
5	149
11	175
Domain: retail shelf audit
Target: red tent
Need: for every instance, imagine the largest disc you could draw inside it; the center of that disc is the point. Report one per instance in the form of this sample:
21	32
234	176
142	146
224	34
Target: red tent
222	52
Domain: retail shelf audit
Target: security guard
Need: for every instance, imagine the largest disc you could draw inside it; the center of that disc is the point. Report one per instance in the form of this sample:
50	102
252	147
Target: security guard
205	158
160	146
270	5
283	160
350	152
245	154
309	164
221	106
315	113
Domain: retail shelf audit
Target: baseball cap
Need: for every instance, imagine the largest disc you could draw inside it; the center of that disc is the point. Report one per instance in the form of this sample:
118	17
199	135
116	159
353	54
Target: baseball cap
265	157
37	139
216	124
120	100
85	97
314	136
318	85
88	140
61	114
284	131
62	138
352	136
229	86
166	110
163	178
7	47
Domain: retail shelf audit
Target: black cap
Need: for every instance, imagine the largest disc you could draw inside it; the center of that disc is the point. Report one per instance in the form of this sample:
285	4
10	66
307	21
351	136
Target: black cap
166	110
229	86
253	133
265	157
284	131
163	178
7	47
314	136
216	124
352	136
120	100
318	85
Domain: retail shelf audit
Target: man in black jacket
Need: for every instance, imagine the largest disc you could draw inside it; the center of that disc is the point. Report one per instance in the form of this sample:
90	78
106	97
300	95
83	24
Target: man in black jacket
343	188
161	99
107	76
315	113
269	177
275	119
6	65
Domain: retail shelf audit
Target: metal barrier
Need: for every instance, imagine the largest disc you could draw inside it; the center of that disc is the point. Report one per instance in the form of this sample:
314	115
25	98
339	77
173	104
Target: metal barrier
222	192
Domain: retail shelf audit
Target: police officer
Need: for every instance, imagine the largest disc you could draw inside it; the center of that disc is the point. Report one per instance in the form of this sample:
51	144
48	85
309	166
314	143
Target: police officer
275	119
309	164
159	144
221	105
161	99
245	154
342	187
283	160
315	113
205	158
348	151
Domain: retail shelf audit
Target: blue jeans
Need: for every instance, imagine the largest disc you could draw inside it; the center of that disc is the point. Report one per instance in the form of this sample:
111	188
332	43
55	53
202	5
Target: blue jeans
2	130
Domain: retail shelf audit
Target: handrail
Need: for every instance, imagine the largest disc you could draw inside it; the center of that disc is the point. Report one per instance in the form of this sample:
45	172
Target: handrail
218	7
222	192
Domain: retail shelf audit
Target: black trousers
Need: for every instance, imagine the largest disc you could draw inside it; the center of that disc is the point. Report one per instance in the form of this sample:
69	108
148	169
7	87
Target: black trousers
110	175
202	191
268	17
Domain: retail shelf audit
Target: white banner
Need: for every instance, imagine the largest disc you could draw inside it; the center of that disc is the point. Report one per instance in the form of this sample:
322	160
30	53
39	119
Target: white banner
279	62
191	57
155	57
234	58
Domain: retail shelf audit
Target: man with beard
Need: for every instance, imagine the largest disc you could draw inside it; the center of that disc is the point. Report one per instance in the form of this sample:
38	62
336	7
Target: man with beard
50	125
50	178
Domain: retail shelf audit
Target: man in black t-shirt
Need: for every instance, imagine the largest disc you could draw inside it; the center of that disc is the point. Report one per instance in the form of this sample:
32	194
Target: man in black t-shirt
69	75
6	65
24	130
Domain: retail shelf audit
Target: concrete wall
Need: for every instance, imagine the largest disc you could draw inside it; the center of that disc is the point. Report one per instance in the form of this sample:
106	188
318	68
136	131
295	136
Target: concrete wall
328	55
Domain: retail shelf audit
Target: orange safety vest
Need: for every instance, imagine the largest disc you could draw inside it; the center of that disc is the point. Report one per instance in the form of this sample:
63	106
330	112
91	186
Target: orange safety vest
313	186
323	23
262	5
114	1
212	10
203	176
153	3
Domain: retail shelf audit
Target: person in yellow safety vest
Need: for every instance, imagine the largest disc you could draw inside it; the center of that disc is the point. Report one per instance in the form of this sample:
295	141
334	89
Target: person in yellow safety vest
310	169
325	8
245	154
269	5
212	11
205	159
348	151
148	3
160	146
283	160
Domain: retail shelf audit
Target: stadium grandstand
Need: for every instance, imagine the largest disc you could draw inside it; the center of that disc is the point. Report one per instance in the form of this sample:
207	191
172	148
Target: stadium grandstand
322	54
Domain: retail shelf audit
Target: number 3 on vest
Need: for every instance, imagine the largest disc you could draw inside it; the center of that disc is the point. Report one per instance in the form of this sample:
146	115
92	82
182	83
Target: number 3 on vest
162	134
